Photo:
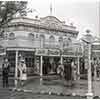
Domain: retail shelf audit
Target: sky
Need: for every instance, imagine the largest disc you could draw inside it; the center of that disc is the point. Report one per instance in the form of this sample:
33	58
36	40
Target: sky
84	14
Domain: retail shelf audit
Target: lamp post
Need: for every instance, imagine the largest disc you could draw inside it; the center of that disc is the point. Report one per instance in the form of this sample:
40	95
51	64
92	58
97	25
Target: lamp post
89	40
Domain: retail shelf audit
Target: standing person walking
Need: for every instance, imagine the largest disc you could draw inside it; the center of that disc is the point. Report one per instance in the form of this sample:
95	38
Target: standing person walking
60	70
5	72
22	71
74	71
68	72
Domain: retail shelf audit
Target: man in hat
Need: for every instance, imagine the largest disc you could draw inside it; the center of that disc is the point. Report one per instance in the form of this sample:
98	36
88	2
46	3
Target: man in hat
5	72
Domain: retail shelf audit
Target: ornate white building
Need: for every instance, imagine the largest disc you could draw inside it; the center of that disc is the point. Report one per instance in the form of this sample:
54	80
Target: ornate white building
46	40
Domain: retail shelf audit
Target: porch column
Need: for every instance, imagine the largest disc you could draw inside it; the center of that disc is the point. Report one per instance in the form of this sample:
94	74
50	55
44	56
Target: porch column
95	73
90	92
16	63
78	67
61	60
41	69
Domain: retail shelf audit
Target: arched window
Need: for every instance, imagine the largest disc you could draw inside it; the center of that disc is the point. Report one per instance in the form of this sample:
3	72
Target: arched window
11	36
42	37
42	40
60	39
51	39
66	42
31	36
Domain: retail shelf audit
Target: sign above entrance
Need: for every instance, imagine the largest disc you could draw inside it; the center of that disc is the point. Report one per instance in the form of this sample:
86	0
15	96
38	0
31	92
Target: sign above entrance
54	52
41	52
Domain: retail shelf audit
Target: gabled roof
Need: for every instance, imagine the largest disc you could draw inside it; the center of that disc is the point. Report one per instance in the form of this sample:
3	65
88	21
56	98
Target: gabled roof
51	18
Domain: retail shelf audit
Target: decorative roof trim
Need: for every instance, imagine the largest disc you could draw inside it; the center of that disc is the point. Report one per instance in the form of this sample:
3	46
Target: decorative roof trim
42	27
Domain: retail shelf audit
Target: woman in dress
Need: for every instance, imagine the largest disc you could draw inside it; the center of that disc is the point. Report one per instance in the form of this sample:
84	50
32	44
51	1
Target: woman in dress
23	72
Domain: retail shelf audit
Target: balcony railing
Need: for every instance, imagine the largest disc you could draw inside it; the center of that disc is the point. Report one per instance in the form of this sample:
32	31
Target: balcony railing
51	45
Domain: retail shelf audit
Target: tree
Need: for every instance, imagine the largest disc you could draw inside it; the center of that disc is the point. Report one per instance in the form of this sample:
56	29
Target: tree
10	8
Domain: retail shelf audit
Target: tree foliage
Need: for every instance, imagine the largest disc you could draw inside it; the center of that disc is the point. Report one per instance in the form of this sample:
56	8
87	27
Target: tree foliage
10	8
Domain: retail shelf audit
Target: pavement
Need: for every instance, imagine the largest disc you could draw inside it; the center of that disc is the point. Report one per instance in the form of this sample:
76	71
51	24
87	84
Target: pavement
49	87
5	93
59	86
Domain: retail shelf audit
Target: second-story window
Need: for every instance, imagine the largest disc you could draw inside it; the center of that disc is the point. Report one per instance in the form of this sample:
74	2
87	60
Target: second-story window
60	40
52	42
11	36
31	36
52	39
42	40
37	35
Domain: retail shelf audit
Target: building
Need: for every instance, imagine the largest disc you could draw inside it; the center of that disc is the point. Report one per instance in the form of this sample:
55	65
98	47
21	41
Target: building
41	42
95	56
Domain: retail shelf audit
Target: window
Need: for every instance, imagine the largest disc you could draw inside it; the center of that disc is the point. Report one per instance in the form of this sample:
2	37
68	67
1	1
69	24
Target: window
42	37
60	39
52	43
52	39
11	36
42	40
36	35
31	36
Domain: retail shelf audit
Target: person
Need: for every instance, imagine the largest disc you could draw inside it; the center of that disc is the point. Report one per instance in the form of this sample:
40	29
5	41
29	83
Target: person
23	72
60	70
5	72
67	72
74	72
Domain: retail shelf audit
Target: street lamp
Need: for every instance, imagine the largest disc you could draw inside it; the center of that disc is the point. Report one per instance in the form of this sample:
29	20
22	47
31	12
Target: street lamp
89	40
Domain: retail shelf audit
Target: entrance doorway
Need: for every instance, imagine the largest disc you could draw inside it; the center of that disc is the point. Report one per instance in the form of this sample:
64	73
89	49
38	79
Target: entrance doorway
68	68
50	65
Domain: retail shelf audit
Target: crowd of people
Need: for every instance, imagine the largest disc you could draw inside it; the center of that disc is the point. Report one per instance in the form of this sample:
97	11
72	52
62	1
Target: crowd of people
67	71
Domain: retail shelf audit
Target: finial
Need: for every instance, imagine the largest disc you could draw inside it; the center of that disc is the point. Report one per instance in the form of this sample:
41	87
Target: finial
51	8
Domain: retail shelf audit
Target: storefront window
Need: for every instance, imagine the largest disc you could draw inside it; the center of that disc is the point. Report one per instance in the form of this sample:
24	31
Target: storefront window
11	59
29	60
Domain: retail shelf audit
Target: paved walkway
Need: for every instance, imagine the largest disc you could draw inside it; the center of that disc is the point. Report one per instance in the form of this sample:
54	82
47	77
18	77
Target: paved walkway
60	86
5	93
48	86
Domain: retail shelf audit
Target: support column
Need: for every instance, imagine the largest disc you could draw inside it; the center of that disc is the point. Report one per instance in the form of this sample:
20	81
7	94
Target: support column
97	77
16	63
41	69
95	72
78	60
61	60
89	94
